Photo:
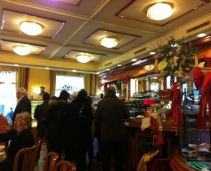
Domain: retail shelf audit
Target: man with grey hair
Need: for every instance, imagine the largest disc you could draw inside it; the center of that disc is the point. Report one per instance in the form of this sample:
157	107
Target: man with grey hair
111	112
24	104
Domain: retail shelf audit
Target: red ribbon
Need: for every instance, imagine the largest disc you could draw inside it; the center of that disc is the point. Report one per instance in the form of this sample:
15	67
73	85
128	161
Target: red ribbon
176	97
155	127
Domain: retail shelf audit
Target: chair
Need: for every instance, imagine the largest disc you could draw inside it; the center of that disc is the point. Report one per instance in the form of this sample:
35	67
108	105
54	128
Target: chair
50	161
24	157
37	142
63	165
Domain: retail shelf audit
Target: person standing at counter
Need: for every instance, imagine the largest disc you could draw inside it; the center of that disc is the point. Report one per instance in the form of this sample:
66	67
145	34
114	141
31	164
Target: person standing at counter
53	128
20	136
40	111
76	129
111	112
24	104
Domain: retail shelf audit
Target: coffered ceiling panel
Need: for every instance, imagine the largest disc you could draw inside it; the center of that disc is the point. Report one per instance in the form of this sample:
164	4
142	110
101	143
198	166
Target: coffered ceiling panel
137	11
72	55
11	23
9	46
74	27
123	38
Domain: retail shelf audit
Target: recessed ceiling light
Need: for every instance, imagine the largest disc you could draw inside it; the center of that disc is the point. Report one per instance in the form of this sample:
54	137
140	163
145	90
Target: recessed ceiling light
152	53
159	11
16	65
201	35
109	42
47	68
83	58
119	65
31	28
107	69
21	50
73	70
134	60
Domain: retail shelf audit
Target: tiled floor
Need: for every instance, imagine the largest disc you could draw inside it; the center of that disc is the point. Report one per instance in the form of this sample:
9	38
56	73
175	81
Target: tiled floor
96	164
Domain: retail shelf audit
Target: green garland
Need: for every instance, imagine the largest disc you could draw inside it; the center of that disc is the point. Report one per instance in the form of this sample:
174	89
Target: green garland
176	57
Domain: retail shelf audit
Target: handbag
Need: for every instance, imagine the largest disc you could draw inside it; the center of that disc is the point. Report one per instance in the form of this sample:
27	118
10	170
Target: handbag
83	119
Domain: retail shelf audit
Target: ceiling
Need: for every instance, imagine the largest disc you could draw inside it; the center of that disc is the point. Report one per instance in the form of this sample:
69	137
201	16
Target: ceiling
74	27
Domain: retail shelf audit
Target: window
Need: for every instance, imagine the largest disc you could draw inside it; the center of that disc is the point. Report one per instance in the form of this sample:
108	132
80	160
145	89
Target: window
7	91
71	84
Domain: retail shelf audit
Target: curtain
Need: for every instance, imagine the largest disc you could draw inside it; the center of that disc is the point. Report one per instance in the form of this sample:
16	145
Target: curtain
22	77
87	83
52	82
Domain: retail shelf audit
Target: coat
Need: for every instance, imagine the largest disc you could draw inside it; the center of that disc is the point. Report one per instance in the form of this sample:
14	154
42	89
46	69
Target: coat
111	112
39	112
18	141
53	129
75	133
23	105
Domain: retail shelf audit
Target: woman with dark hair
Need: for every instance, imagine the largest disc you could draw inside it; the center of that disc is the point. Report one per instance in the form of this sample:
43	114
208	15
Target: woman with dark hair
75	133
53	129
20	136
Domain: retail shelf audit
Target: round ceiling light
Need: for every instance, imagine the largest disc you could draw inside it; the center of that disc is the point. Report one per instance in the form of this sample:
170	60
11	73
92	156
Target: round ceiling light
21	50
109	42
83	58
159	11
31	28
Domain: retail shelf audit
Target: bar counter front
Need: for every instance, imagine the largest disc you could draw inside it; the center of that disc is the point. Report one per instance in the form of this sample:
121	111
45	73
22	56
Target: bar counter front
140	142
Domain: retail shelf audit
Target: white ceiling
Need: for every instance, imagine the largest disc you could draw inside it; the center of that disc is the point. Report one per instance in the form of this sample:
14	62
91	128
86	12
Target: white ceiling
72	27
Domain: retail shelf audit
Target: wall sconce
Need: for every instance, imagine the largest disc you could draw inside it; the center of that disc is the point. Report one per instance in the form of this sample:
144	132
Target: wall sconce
159	11
21	50
109	42
31	28
83	58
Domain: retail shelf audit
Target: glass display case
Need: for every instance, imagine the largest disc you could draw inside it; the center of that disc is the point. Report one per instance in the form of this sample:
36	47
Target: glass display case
34	104
194	142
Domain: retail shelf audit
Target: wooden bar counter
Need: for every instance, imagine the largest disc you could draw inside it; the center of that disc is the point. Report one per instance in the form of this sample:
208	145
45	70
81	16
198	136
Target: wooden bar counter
139	142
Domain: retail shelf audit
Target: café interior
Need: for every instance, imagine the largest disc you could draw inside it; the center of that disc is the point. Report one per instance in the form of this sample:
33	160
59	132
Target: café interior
102	43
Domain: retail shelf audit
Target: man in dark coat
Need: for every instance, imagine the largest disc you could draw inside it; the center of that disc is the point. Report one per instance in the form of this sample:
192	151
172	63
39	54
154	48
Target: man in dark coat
24	104
40	111
111	112
76	128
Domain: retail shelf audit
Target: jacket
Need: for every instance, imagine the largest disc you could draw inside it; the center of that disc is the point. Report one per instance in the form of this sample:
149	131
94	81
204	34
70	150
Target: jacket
75	130
23	105
53	129
39	112
111	112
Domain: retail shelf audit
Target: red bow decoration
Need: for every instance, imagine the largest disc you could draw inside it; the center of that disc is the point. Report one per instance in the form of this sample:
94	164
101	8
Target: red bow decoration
204	82
155	127
198	78
126	79
176	97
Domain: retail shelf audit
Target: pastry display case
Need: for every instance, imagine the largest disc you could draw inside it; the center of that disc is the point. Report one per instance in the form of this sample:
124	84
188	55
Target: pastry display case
194	143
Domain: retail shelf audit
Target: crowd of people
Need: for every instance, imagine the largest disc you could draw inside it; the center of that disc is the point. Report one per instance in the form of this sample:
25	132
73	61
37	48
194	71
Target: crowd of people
68	127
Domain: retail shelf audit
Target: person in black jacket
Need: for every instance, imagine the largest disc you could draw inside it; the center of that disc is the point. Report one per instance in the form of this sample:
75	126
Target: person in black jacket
111	112
24	104
20	136
39	112
54	129
76	128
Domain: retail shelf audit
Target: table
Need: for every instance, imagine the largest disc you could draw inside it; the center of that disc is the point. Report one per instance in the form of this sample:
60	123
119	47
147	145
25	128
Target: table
3	155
